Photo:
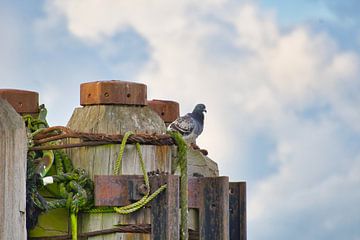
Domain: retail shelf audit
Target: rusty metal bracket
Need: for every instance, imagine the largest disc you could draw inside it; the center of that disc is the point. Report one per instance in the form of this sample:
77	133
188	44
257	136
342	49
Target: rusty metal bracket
117	190
125	189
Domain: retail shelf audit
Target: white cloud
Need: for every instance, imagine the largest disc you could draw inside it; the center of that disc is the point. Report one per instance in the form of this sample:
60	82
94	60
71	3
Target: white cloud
9	46
294	85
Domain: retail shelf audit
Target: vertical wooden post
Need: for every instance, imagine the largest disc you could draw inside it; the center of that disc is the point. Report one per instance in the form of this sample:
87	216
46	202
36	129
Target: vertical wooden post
214	208
237	210
13	149
165	209
115	107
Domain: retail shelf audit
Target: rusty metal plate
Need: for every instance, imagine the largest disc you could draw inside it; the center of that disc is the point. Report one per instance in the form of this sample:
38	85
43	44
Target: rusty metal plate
117	190
125	189
21	100
167	110
113	92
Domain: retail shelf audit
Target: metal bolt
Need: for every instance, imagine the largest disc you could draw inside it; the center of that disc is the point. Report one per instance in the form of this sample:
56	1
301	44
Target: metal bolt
143	189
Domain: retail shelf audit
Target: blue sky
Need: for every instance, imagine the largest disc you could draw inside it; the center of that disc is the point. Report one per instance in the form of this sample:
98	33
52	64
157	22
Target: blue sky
280	80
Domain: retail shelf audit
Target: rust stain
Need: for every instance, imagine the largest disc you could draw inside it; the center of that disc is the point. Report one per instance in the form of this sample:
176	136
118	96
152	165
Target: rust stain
113	92
21	100
167	110
162	154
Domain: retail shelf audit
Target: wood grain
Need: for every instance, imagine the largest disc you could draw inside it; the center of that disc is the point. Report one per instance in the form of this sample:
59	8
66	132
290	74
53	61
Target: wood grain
100	160
214	209
237	210
13	148
165	209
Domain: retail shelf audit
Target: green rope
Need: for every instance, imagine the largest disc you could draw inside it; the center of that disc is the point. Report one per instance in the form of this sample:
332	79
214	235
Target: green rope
117	169
100	210
58	203
145	199
74	186
141	203
127	209
182	162
75	189
73	218
142	164
118	165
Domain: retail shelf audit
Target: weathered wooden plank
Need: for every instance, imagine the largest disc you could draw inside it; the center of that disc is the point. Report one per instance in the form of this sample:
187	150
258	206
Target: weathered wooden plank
13	148
214	209
165	209
194	189
237	210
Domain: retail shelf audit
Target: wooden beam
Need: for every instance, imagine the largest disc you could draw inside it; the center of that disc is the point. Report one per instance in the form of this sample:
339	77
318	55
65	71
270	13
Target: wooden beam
13	148
165	209
214	208
237	210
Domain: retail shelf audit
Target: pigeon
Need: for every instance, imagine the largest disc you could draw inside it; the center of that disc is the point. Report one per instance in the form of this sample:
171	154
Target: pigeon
191	125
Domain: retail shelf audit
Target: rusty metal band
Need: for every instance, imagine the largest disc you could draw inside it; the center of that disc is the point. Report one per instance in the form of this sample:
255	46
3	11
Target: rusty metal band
130	228
93	139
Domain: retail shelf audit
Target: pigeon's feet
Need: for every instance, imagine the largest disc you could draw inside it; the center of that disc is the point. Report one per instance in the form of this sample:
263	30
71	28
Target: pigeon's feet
204	151
196	147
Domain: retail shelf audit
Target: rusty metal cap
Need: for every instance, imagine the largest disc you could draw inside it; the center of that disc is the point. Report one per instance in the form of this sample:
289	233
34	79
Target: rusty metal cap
113	92
167	110
21	100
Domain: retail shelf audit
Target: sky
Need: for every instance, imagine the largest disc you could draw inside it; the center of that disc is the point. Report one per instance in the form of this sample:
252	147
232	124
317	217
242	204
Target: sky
280	79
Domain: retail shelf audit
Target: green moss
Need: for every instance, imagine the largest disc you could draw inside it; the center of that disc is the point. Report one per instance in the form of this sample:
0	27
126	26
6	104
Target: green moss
52	223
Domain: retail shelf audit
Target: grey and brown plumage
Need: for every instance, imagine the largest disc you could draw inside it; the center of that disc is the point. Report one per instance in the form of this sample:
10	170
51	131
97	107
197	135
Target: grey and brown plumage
191	125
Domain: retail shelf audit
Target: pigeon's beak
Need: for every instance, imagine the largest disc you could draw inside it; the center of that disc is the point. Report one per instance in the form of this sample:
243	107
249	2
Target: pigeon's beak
205	110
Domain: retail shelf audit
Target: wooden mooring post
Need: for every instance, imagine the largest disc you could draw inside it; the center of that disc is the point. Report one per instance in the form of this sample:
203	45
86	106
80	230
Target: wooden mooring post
116	107
13	148
217	208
